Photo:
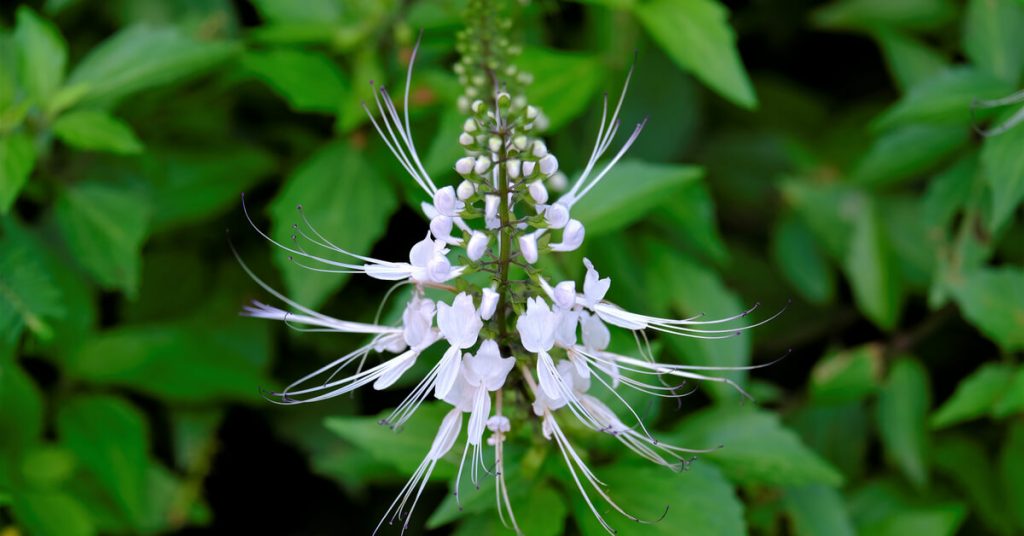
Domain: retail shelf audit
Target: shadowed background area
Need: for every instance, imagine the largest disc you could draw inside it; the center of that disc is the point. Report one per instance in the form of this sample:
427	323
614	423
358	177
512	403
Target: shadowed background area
823	157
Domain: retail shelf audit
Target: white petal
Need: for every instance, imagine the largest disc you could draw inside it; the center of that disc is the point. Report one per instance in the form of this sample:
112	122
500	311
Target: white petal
447	433
545	374
401	364
478	417
447	372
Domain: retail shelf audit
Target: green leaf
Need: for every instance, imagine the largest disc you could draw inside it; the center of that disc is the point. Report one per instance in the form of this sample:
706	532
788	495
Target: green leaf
802	262
28	295
948	191
688	217
1002	162
180	363
838	432
695	290
991	299
817	509
697	36
940	520
830	211
906	152
141	57
902	413
104	228
909	61
629	191
944	98
1011	468
345	199
975	395
47	466
109	437
52	513
1013	401
404	449
43	54
17	158
21	408
993	39
700	499
967	464
563	83
93	130
193	185
872	272
308	80
847	376
872	14
756	448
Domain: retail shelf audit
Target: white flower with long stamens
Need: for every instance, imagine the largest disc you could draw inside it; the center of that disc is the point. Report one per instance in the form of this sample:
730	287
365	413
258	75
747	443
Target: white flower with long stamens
498	309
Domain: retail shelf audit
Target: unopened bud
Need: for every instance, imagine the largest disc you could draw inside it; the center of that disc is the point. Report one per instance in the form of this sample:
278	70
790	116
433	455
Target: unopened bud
504	99
548	165
464	165
528	246
465	190
557	215
470	125
488	303
537	190
572	237
559	182
565	294
513	167
478	106
532	112
491	203
445	201
520	141
494	144
528	167
540	150
466	140
477	245
441	227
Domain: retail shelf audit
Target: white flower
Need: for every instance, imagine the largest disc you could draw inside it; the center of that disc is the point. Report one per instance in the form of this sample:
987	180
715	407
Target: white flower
572	237
536	326
595	334
417	320
528	247
487	368
565	294
441	228
556	215
489	299
459	322
565	333
477	245
594	288
447	203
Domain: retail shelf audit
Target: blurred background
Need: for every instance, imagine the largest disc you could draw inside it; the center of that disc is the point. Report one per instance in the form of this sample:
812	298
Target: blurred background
823	153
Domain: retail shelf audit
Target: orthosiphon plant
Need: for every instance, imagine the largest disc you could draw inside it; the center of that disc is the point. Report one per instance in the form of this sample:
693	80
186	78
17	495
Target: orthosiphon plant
516	329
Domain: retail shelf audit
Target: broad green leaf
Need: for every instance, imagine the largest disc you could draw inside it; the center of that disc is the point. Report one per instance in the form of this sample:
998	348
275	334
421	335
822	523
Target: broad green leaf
195	185
688	217
939	520
697	36
563	83
902	419
346	200
178	362
21	408
966	462
948	191
141	57
871	269
869	15
308	80
993	38
404	449
847	376
699	499
43	54
838	432
17	158
1013	401
906	152
479	516
1002	162
909	60
829	210
93	130
47	466
307	11
975	395
28	295
110	439
817	509
1011	469
695	290
104	227
944	98
802	262
629	192
52	513
912	242
991	299
755	448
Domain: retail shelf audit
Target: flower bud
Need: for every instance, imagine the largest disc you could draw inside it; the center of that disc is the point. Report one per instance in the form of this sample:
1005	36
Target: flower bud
539	149
528	246
466	140
537	191
441	227
499	423
491	203
494	144
528	167
557	215
445	201
565	294
532	112
513	167
488	303
519	142
477	245
483	164
478	106
438	269
465	190
559	182
470	125
548	165
464	165
572	237
504	99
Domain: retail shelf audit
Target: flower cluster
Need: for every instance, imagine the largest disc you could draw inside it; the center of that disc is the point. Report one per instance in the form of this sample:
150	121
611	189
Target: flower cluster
519	329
